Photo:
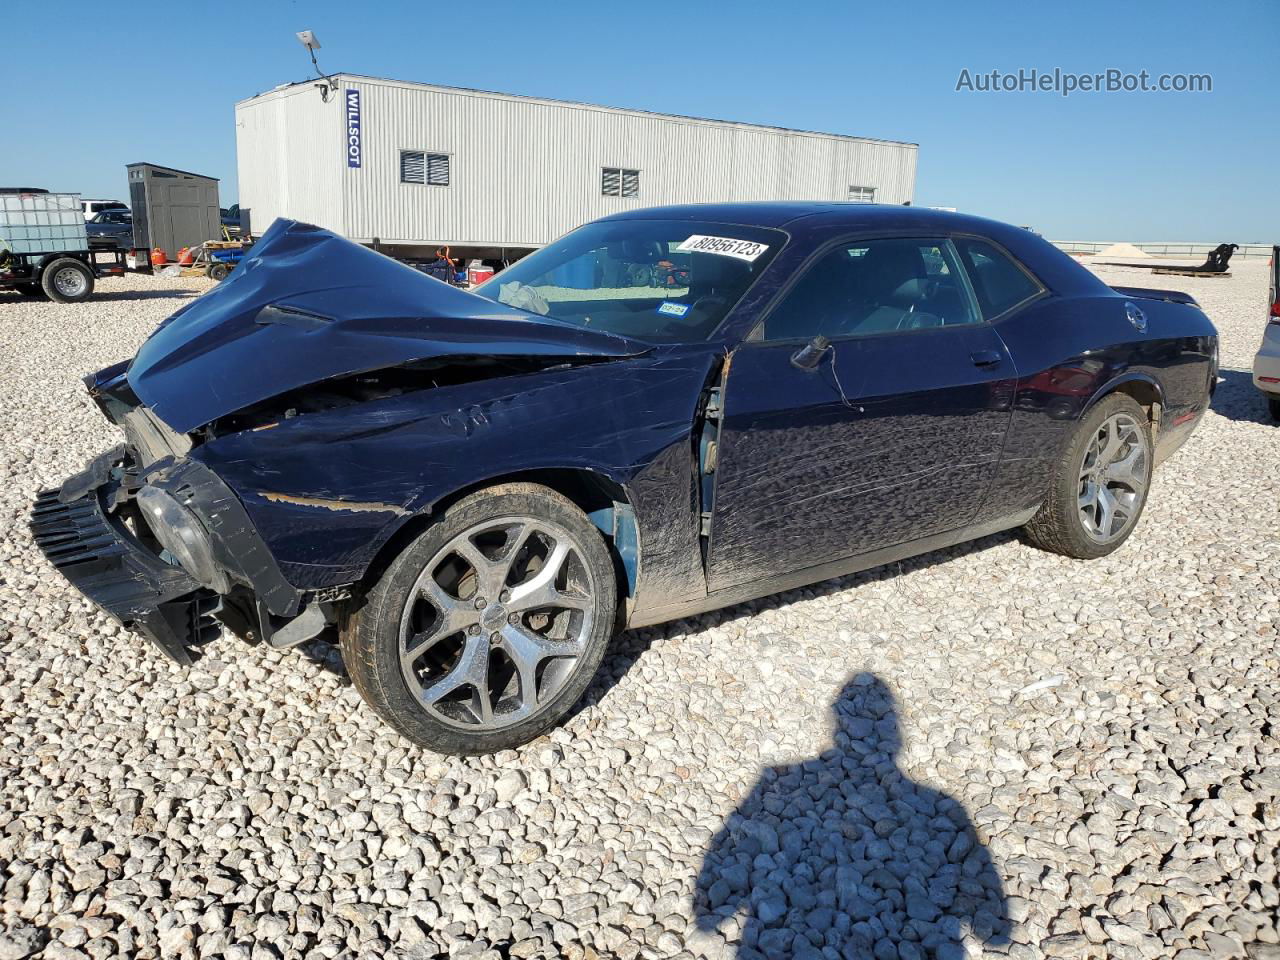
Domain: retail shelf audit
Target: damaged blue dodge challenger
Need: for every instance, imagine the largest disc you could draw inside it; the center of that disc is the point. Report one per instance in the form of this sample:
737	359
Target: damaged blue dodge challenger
664	412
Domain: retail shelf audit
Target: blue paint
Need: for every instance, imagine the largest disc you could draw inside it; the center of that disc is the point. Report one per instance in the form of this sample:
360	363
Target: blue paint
618	523
365	312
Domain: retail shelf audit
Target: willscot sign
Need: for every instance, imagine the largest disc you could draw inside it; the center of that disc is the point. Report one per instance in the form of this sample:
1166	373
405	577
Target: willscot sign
353	128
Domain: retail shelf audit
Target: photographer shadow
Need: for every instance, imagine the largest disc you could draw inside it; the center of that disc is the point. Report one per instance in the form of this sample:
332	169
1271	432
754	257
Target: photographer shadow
844	856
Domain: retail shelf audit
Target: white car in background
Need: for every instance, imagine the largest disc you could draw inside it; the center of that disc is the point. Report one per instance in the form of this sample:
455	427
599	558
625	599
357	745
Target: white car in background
94	207
1266	365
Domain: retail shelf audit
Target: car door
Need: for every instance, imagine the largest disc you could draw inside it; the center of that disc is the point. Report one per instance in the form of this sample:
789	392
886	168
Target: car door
889	433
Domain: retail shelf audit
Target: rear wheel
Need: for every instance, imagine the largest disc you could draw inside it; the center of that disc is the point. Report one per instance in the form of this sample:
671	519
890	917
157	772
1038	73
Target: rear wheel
67	281
1100	485
1273	404
219	271
487	629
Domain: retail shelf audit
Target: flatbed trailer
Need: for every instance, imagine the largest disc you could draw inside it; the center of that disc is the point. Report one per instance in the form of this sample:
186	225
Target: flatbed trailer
1188	272
67	276
44	251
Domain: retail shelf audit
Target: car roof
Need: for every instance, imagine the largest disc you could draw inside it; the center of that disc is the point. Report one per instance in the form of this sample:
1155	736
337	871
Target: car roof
1054	268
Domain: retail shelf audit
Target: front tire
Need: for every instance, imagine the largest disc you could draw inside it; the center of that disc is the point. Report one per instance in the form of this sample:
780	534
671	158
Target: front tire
486	630
1100	485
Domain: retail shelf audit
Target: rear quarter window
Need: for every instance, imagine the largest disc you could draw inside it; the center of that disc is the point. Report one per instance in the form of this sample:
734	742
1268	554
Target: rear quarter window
999	282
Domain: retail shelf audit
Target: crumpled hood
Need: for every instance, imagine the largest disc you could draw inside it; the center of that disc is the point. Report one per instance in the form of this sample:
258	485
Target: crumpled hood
307	305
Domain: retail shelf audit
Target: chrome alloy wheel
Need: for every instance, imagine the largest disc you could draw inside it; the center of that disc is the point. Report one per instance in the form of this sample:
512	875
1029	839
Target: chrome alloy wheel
496	623
70	282
1113	477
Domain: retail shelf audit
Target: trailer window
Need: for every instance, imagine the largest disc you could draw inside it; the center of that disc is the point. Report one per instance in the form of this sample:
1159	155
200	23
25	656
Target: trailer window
431	169
619	182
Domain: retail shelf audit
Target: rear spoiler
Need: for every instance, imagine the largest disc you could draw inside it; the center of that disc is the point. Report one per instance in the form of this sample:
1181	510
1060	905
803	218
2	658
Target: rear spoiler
1145	293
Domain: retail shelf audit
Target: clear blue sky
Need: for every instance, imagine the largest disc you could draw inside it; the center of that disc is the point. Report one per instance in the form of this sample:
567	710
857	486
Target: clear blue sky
129	83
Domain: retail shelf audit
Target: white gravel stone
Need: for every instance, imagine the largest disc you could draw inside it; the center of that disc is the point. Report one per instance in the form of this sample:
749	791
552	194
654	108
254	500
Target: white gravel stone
705	801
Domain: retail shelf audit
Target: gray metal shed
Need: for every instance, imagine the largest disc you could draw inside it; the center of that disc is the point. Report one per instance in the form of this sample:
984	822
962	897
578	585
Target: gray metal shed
172	208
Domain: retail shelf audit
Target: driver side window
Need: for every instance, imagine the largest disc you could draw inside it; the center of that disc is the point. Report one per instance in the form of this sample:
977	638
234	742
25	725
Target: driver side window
875	286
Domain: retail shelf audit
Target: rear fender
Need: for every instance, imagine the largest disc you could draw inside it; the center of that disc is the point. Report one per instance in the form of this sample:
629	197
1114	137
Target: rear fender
1148	392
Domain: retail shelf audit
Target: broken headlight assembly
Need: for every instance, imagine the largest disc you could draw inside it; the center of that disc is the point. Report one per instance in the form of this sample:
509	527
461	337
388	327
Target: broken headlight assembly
180	532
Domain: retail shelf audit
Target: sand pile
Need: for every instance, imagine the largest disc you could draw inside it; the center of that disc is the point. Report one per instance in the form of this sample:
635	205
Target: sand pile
1123	250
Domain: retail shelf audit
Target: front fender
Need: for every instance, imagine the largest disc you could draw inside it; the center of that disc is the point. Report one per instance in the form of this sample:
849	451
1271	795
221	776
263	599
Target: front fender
328	490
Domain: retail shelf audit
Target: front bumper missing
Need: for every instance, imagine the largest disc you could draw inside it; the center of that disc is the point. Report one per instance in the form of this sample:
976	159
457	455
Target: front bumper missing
101	558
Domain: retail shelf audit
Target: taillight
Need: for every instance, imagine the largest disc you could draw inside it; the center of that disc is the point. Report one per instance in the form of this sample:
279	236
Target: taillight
1275	312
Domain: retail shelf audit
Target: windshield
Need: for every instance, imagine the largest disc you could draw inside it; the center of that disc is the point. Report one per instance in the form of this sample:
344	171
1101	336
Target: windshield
664	281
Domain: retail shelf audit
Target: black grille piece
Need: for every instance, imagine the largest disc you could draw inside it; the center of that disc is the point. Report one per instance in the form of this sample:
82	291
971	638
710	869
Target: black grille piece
120	575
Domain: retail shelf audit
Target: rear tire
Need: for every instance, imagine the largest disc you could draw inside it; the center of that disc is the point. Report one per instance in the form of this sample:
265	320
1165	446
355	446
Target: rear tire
486	630
67	281
219	272
1273	405
1100	485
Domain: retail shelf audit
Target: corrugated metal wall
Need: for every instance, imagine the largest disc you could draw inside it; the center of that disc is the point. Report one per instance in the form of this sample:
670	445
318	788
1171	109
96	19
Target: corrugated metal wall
282	140
523	171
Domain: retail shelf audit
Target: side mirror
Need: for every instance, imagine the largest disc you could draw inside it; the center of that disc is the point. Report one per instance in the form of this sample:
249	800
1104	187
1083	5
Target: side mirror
810	355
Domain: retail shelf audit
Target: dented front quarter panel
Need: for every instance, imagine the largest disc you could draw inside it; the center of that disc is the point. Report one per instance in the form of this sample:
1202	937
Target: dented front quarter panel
307	306
327	490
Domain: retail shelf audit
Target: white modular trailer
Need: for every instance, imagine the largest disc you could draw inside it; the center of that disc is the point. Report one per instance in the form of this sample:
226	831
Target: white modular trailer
42	223
419	165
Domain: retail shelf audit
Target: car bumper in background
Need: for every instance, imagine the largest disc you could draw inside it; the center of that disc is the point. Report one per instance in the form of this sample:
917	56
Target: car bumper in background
103	560
1266	365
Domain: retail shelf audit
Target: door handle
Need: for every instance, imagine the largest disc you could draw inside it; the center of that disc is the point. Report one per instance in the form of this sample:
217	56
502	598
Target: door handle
985	358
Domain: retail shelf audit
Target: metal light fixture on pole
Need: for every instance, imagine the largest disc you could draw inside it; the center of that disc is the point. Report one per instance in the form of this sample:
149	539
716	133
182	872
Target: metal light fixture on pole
326	85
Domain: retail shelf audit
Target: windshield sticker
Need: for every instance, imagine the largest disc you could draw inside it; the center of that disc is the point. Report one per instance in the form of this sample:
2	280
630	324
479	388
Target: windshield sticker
672	309
747	250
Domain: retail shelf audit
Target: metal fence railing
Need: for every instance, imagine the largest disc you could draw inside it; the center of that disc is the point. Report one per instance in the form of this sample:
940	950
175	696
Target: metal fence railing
1182	251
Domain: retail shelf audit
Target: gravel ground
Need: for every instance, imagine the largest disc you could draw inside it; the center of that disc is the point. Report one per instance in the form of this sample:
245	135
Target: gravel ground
988	748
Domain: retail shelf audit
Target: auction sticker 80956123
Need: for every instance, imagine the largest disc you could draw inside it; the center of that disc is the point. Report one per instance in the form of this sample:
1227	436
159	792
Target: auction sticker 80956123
747	250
